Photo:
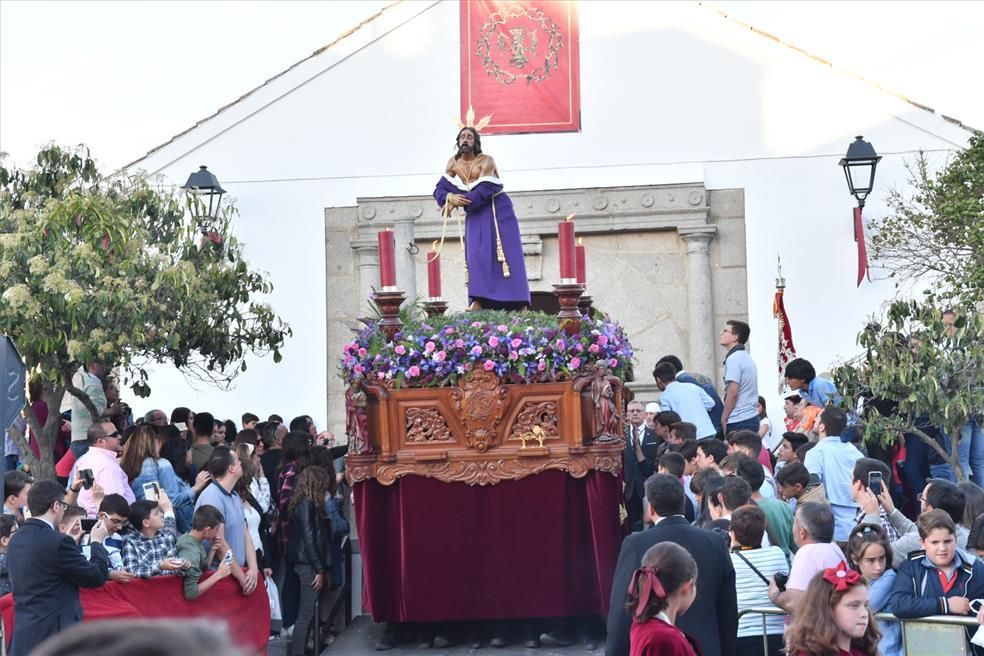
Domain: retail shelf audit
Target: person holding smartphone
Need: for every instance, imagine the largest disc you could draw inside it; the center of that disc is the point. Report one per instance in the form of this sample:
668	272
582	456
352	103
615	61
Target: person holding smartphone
872	476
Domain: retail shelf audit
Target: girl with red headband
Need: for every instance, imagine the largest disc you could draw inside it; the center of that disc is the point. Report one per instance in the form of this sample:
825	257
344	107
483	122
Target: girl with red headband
660	590
833	617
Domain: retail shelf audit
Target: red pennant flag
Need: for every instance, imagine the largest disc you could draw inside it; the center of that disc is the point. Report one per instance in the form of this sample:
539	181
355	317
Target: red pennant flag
862	249
786	351
520	64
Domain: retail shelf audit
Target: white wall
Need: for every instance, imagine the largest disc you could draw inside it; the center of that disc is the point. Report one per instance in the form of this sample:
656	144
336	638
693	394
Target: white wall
668	93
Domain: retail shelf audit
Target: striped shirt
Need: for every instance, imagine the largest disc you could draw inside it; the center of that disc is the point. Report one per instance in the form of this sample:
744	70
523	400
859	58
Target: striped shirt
752	591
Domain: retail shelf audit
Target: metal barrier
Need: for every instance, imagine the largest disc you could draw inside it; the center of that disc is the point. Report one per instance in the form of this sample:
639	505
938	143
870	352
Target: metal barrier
938	620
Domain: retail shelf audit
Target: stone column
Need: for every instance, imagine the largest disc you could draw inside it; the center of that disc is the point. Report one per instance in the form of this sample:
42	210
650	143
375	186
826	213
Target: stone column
367	256
703	346
406	272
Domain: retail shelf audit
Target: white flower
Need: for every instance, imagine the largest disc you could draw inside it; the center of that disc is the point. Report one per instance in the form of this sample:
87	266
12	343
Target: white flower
17	296
38	265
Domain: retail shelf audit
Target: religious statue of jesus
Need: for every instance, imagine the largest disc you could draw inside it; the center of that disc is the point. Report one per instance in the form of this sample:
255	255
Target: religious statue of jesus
494	268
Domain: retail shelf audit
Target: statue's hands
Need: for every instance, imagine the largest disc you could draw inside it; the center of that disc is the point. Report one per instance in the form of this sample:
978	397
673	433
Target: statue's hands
457	200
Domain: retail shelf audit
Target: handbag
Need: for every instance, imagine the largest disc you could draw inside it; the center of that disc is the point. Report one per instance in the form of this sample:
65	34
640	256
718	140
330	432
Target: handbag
276	614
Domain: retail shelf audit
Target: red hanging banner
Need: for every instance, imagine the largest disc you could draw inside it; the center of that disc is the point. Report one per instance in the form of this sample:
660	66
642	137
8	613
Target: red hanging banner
519	64
862	249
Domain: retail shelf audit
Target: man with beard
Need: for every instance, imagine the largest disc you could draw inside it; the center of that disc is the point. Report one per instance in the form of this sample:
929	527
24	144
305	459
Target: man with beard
494	268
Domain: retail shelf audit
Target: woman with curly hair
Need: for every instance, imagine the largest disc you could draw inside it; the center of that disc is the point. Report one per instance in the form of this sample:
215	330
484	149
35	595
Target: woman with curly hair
309	546
833	619
663	588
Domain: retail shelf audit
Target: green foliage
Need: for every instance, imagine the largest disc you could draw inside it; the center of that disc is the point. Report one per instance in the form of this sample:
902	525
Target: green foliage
933	372
117	271
937	234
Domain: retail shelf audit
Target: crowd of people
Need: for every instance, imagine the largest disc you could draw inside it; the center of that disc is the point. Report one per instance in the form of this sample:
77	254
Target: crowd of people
726	509
184	495
798	516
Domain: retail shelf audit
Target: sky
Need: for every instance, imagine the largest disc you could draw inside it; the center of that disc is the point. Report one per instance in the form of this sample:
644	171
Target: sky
123	77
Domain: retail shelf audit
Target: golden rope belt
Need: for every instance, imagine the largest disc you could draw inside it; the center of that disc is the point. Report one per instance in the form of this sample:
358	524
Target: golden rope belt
447	211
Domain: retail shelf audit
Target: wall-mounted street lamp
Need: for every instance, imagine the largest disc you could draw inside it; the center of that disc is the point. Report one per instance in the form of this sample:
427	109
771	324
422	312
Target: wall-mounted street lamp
205	186
859	168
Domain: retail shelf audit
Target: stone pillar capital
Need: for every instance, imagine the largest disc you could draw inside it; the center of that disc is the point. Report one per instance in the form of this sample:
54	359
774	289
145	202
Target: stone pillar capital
698	239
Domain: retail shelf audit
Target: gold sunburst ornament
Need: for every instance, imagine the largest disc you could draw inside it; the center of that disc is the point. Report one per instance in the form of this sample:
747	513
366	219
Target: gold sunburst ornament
470	121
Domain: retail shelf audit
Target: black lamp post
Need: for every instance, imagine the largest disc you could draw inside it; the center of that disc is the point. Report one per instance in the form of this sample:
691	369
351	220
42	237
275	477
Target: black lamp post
204	185
859	168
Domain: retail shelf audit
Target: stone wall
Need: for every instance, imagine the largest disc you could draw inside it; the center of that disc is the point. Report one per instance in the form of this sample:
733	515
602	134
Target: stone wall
667	261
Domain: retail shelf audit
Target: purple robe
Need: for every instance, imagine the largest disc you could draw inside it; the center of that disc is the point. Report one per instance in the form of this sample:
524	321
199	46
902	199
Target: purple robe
485	280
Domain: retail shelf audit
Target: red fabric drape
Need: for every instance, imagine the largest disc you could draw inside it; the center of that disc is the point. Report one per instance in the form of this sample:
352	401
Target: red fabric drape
248	618
862	248
520	65
542	546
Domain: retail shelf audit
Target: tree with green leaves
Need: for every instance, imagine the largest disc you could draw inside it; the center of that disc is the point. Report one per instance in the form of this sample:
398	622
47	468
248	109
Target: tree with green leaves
116	271
920	369
935	232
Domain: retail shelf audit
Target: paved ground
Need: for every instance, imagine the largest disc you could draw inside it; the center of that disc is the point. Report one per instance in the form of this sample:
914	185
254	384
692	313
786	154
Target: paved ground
359	640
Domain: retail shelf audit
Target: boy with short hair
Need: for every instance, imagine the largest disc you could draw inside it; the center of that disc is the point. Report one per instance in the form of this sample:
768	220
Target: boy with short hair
940	579
749	443
206	526
672	463
16	486
793	480
8	526
778	515
710	453
787	450
148	549
863	469
71	523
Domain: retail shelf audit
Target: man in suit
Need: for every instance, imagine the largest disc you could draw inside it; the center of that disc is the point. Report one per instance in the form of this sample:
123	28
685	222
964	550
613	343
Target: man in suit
713	617
47	569
638	461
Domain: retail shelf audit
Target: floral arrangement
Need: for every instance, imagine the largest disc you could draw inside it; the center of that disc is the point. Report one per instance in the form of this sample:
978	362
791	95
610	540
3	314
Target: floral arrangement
528	347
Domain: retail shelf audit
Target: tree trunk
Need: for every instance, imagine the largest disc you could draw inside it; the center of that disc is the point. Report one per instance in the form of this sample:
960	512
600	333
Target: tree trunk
953	458
43	468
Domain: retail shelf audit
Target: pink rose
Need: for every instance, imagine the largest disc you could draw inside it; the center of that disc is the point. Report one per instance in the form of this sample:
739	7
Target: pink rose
513	355
575	362
362	352
594	348
542	365
476	350
560	345
613	363
449	331
493	341
516	343
401	349
476	324
502	328
459	343
440	356
429	347
413	371
358	369
602	340
489	365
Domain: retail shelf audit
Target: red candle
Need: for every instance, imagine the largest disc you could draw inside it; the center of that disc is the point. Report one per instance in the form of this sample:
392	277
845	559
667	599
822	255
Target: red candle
565	233
387	263
434	273
579	263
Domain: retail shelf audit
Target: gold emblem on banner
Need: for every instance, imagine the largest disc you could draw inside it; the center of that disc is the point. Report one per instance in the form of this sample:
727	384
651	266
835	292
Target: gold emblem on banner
510	38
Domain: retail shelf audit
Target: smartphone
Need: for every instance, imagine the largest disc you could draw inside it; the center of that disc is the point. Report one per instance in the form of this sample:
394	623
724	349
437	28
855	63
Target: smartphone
151	491
87	524
87	478
228	557
781	578
875	482
181	426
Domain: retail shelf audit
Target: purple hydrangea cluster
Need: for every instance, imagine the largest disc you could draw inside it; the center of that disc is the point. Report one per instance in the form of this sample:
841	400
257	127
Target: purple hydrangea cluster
518	348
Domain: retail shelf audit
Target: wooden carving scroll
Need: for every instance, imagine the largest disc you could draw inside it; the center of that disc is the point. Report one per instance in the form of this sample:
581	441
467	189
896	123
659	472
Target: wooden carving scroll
542	414
427	425
480	403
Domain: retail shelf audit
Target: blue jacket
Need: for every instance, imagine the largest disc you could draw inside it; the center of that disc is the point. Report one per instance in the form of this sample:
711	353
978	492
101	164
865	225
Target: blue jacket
879	594
918	592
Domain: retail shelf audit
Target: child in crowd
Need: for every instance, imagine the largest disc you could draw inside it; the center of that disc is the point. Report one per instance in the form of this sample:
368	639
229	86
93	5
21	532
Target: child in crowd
16	485
689	452
206	526
975	542
787	450
673	463
863	470
71	523
8	526
833	617
941	579
663	588
114	511
749	443
710	452
793	479
148	549
870	552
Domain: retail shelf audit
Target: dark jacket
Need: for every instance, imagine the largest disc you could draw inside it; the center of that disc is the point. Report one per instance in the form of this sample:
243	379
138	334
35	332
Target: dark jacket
47	570
634	472
713	617
309	536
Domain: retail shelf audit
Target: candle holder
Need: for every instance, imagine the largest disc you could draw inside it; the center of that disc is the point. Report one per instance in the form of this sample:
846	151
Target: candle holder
389	303
569	315
584	305
435	307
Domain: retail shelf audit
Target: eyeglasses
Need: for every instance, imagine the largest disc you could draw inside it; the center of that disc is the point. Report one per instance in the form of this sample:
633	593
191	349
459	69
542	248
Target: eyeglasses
113	434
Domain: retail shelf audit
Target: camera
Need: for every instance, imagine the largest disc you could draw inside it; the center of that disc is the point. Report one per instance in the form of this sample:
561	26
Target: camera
781	578
87	478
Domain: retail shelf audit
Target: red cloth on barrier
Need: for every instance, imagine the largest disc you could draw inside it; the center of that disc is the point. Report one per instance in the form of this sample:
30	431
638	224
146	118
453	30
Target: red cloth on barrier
542	546
247	617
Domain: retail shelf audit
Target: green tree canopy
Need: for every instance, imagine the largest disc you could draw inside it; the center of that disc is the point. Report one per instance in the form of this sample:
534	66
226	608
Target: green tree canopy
918	372
935	234
117	271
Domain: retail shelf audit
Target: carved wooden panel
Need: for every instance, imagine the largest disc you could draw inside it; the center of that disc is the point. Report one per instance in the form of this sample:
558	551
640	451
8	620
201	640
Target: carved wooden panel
542	414
480	402
427	425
